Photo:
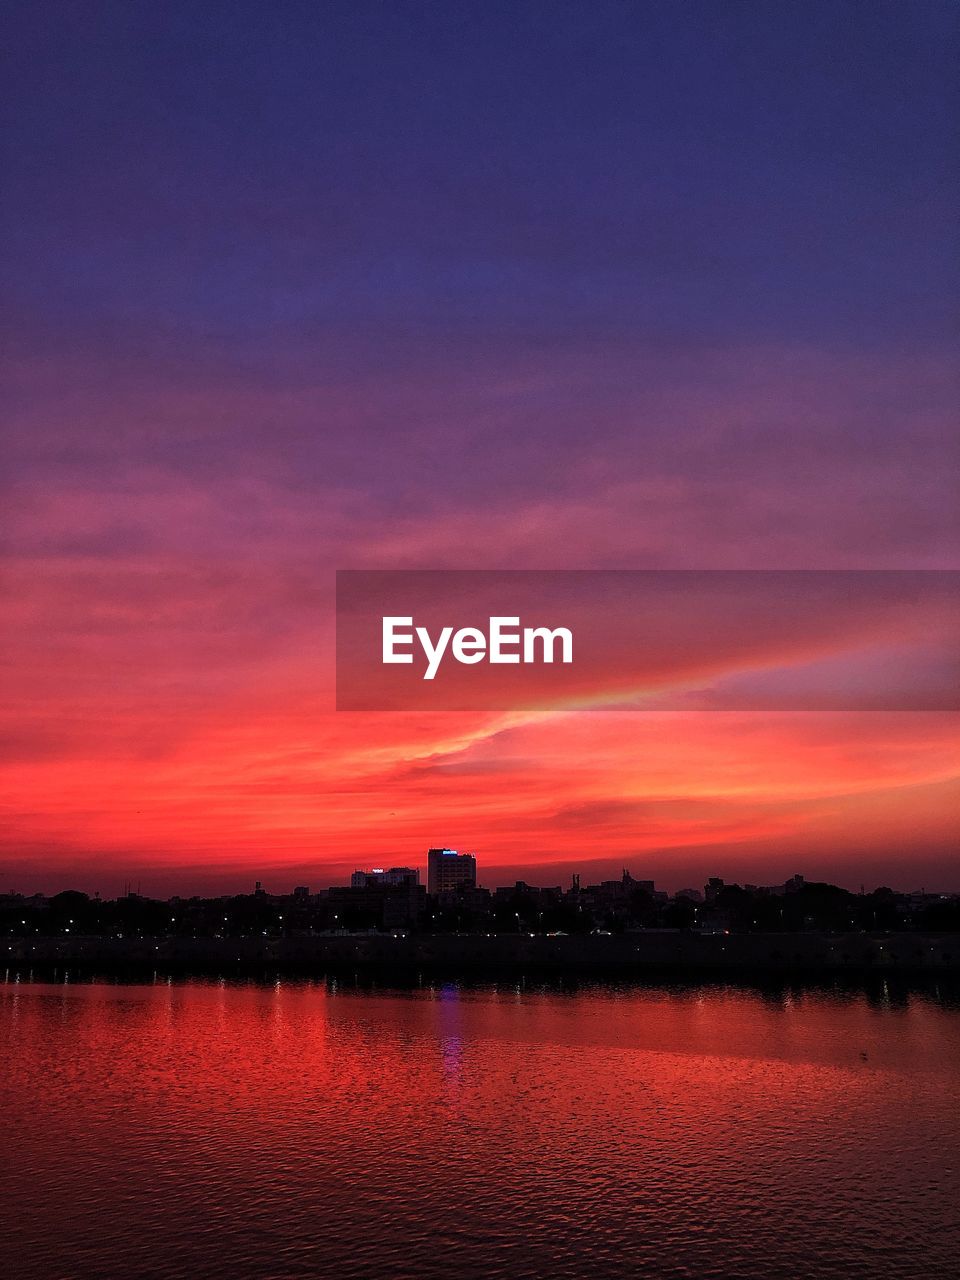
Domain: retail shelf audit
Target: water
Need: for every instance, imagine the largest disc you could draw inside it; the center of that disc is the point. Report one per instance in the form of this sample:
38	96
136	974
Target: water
202	1129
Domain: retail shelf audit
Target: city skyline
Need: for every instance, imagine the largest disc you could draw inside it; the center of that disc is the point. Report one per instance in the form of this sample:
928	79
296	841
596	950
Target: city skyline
626	921
285	882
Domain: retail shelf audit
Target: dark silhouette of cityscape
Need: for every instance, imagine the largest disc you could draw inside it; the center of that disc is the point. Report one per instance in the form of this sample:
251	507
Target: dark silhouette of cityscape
394	901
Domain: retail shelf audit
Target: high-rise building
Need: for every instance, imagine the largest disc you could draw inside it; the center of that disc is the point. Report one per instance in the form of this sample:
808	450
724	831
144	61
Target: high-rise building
448	870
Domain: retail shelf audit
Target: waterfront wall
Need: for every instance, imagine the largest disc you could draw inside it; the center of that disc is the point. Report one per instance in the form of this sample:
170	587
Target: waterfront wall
642	952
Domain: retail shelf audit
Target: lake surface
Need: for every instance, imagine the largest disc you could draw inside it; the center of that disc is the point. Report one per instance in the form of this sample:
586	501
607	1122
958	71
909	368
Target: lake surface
202	1129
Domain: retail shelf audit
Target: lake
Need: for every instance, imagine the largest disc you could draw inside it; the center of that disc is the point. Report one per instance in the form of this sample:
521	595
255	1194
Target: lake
294	1129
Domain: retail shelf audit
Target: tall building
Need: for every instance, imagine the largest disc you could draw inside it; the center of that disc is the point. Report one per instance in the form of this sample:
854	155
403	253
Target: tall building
448	870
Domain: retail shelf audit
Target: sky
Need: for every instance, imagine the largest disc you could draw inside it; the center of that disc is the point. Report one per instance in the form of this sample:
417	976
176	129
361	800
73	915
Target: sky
296	288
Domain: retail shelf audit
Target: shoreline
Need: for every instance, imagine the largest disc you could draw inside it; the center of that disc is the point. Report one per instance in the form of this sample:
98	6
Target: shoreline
643	954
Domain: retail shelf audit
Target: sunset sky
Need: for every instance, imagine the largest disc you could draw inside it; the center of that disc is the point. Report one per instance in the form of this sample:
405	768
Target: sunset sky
298	287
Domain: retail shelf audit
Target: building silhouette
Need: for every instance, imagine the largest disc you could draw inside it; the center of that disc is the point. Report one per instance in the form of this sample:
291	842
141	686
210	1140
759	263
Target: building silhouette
392	899
448	870
396	877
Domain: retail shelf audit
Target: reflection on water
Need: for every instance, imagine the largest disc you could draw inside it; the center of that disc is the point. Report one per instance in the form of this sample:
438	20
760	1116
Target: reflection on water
300	1129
